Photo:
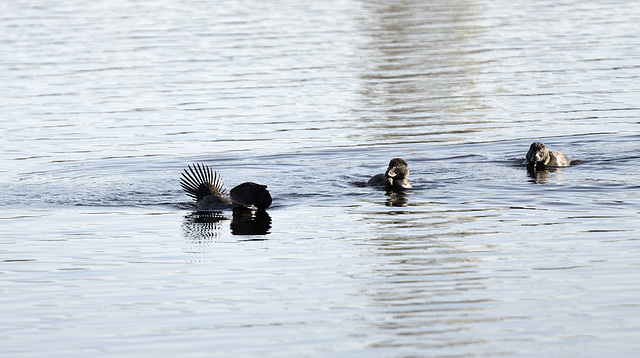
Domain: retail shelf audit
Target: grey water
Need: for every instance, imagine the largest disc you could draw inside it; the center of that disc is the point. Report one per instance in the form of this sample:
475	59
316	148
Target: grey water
104	103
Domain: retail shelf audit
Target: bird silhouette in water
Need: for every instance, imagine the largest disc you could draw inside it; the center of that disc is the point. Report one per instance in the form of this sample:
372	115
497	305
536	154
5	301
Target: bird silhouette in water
395	178
205	186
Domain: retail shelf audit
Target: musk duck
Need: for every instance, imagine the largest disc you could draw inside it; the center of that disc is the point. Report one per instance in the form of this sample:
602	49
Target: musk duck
395	178
538	154
205	186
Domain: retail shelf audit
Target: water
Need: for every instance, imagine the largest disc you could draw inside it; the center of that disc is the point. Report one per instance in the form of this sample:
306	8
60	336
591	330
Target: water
104	103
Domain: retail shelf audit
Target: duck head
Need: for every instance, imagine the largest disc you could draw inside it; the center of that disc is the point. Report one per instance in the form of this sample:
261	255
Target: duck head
397	174
251	194
538	154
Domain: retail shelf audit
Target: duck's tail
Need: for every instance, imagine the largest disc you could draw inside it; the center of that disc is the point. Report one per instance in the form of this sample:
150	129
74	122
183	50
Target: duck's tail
200	181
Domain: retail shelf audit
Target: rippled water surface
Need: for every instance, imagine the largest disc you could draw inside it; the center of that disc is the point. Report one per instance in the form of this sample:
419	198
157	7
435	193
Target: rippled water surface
104	103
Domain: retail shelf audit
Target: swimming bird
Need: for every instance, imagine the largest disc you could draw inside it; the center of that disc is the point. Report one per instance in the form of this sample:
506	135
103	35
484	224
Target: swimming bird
205	185
538	154
395	178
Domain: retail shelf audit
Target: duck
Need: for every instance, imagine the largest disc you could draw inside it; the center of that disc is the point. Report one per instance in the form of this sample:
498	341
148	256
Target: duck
538	154
204	185
395	178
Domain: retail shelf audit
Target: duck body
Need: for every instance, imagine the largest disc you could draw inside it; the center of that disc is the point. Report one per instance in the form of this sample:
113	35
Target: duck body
378	180
214	202
395	178
538	154
206	187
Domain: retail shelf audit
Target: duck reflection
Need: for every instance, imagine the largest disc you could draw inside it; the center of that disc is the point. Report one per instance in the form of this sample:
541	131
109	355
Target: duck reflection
250	222
203	226
397	198
540	174
206	225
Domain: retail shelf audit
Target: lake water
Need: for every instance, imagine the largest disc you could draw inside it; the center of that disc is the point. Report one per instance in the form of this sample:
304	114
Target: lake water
104	103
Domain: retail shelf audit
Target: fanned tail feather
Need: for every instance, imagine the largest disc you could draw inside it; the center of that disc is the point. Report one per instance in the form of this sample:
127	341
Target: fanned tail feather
194	177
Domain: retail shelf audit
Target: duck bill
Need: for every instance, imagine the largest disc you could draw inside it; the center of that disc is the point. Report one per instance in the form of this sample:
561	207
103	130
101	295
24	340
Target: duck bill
404	184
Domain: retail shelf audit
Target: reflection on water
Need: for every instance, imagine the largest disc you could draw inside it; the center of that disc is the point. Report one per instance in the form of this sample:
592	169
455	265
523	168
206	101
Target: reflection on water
412	86
397	198
540	174
422	90
206	225
432	293
203	226
250	222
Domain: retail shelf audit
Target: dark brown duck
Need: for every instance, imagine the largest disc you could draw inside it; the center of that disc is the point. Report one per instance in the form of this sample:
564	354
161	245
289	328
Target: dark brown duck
395	178
538	154
205	186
